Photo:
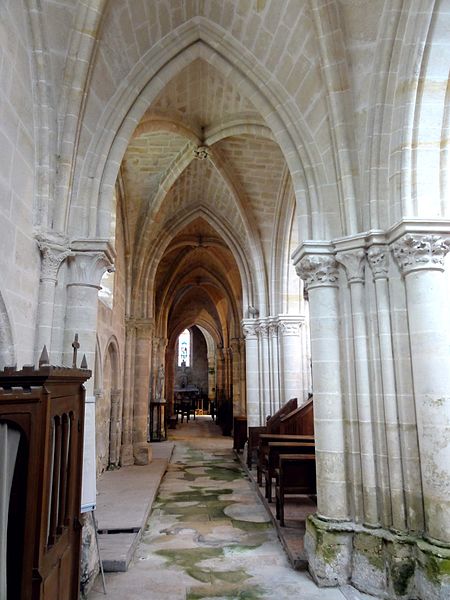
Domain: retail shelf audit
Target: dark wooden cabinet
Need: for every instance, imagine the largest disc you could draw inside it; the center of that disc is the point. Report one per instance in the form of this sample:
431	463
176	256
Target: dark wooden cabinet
46	406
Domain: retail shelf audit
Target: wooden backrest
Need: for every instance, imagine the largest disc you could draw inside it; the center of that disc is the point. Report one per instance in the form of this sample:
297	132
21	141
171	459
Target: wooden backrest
298	472
273	423
278	448
299	421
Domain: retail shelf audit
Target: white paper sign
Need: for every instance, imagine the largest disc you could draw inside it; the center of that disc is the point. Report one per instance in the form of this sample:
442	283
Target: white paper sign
89	486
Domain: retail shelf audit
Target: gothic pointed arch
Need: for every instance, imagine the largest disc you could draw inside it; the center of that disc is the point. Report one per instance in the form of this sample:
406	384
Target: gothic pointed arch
7	354
191	41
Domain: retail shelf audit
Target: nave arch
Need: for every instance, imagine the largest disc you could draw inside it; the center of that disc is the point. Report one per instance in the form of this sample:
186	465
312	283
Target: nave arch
200	41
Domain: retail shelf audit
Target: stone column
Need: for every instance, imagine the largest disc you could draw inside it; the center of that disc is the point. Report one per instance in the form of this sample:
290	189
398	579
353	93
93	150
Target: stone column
243	381
354	263
421	261
264	368
211	376
53	256
320	273
227	372
274	365
220	379
86	268
126	450
87	263
236	376
170	378
114	427
378	260
143	353
255	417
291	358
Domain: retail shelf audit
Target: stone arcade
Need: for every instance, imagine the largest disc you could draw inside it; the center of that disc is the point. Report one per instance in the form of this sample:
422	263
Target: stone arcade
273	176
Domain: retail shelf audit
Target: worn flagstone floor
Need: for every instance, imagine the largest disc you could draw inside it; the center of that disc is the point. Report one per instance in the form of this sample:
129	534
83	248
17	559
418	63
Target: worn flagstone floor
209	536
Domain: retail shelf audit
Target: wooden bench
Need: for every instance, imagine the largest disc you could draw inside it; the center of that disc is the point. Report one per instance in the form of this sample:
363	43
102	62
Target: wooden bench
295	476
272	426
275	449
263	448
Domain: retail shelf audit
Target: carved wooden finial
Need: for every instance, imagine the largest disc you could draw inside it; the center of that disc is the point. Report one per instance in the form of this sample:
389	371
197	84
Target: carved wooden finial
75	346
43	359
84	364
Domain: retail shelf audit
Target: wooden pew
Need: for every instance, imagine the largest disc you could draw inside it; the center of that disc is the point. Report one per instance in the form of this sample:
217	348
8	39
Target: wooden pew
263	448
272	426
296	475
275	449
299	421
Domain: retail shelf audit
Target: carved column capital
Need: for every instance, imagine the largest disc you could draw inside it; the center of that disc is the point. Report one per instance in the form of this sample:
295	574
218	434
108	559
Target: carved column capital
318	270
415	252
88	262
290	325
263	329
144	327
52	258
87	268
273	328
378	257
249	329
354	263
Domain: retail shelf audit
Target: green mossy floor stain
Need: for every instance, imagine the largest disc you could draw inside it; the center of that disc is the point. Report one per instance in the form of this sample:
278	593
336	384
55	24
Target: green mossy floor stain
200	500
233	593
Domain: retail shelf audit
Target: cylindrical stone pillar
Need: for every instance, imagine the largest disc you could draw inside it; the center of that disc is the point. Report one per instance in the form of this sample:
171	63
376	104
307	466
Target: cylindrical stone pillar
255	417
126	450
378	260
354	263
86	268
274	365
264	369
52	258
421	261
291	358
236	376
85	272
320	274
143	355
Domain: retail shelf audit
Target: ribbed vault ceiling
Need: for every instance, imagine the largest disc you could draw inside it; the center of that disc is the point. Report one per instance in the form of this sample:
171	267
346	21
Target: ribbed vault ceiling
165	180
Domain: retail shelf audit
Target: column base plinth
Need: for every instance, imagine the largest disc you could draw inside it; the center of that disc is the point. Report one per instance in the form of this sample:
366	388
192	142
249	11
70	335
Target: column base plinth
142	453
126	455
376	561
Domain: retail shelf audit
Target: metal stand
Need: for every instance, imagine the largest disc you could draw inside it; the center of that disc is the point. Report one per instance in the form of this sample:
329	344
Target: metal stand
94	521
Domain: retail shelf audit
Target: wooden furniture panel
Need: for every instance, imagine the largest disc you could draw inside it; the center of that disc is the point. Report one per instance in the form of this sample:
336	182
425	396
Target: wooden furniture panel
300	421
272	426
47	406
295	476
265	439
275	449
